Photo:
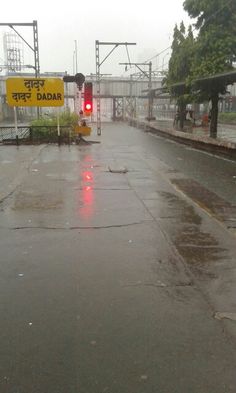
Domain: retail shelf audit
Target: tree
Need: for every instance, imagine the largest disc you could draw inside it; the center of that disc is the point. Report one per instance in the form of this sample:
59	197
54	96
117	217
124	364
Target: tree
215	49
179	67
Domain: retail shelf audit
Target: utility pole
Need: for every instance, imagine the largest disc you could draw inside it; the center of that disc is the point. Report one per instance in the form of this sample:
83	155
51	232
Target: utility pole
98	75
149	76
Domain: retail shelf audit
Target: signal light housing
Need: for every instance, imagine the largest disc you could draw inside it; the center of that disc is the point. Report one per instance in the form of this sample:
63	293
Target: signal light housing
88	98
78	79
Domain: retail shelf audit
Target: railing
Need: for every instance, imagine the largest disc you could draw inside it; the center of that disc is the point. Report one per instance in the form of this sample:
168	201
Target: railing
36	134
8	133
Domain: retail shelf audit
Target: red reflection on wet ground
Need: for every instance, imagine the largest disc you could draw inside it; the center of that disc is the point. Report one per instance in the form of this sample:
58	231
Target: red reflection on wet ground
86	195
87	176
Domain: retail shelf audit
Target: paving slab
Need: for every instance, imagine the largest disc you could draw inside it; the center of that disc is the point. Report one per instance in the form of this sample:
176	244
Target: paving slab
111	281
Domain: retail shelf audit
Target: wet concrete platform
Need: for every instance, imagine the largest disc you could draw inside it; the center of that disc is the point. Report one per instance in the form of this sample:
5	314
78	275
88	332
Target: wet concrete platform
224	144
111	280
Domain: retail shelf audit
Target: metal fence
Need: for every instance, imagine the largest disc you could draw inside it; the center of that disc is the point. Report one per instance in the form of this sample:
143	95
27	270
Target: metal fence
36	134
8	133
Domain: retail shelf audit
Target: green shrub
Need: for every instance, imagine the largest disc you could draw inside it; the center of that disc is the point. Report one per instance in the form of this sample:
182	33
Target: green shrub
67	118
47	126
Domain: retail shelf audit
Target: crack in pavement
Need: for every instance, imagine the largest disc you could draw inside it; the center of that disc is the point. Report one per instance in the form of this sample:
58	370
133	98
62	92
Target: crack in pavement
157	285
78	227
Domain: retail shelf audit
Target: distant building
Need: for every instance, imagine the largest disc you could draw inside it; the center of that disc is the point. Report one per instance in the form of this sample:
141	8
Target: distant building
13	53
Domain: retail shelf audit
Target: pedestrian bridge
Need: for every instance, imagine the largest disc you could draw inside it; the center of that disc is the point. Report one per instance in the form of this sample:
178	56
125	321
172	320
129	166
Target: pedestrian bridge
116	93
109	86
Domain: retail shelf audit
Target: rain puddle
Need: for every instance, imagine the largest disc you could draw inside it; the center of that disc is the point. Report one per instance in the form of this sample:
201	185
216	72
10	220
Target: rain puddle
26	200
208	200
199	248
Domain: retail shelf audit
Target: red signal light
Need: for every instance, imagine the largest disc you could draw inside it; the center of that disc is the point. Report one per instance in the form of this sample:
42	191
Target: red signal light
88	98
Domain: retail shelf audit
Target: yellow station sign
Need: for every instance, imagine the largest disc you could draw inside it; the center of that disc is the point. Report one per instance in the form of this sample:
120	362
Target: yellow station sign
35	91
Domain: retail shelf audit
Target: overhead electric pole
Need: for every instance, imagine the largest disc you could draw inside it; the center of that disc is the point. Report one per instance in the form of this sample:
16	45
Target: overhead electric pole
98	75
35	48
149	76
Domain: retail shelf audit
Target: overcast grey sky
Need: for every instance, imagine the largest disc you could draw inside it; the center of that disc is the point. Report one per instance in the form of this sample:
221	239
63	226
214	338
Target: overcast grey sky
149	23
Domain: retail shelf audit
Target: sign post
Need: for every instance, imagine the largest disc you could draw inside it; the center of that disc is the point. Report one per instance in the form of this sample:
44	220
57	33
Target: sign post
16	127
35	92
58	128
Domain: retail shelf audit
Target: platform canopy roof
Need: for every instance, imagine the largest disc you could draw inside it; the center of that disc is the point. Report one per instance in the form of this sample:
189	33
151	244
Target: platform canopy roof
226	78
